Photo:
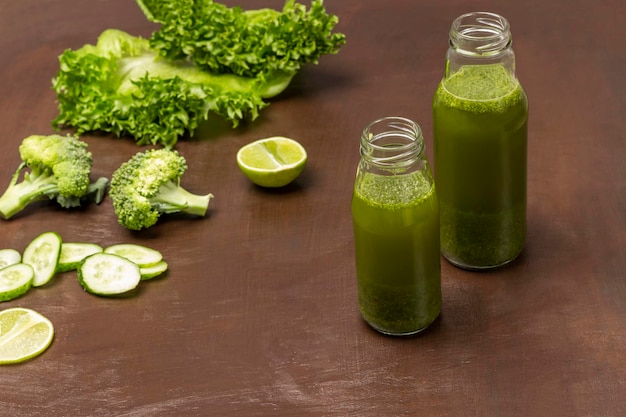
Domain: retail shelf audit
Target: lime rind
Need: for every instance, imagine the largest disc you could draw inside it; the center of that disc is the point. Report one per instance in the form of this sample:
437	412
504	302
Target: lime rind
24	334
272	162
42	253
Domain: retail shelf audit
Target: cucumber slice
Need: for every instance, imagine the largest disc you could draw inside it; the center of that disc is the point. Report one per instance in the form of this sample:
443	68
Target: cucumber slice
72	253
140	255
9	257
107	274
15	280
152	271
42	253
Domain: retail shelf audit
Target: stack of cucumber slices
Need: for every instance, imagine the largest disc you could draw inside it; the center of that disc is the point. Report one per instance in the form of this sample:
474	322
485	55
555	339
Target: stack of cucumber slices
108	271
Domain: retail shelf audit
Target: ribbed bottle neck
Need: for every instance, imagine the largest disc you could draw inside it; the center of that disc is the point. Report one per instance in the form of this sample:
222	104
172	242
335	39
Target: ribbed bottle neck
480	34
392	142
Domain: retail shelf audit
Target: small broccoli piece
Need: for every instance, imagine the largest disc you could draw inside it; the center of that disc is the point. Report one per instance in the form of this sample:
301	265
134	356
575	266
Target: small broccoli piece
148	185
54	167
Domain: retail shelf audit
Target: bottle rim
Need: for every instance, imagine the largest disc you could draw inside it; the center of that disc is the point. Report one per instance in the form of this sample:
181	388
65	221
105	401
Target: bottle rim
480	33
392	141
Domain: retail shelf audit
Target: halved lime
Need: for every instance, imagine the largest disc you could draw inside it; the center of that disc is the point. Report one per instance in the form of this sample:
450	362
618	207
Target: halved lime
272	162
24	334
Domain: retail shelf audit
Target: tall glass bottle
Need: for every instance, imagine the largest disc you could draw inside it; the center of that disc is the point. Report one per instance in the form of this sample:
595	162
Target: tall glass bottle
396	229
480	113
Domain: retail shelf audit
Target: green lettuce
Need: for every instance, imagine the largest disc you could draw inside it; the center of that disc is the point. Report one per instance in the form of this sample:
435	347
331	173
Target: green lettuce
205	58
250	43
122	86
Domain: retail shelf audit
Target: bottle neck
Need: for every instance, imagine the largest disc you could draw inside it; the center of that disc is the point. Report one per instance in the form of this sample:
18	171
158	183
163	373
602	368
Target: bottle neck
392	145
480	38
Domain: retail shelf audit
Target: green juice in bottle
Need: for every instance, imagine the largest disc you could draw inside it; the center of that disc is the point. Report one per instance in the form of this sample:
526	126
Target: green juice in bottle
480	119
397	252
396	237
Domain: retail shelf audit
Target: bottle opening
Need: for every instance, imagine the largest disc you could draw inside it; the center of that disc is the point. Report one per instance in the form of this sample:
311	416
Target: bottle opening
392	142
480	33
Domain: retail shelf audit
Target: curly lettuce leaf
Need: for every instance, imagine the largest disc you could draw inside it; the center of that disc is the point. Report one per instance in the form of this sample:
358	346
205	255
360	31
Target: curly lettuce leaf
122	86
252	43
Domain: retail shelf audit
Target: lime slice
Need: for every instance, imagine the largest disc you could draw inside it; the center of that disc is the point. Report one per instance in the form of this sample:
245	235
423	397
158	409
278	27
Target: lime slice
272	162
24	334
107	274
72	253
139	254
15	280
9	257
42	253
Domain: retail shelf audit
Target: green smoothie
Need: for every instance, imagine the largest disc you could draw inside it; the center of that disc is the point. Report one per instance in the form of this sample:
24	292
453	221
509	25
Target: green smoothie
396	235
480	132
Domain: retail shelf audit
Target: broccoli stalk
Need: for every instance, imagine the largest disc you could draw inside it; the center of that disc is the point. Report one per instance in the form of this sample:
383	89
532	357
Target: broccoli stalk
148	185
53	167
172	198
18	195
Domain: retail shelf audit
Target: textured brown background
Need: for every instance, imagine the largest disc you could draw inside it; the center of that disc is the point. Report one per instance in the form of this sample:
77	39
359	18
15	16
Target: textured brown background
258	314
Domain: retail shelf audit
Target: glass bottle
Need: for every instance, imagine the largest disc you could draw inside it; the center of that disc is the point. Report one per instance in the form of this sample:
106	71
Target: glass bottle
480	114
396	229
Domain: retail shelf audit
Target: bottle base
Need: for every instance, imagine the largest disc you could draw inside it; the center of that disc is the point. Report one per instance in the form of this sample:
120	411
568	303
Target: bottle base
468	267
408	333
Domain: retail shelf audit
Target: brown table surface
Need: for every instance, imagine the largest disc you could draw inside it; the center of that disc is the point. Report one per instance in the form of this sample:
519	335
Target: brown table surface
258	313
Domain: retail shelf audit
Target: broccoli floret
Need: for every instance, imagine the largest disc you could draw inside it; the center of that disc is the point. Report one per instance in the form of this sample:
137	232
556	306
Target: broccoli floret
148	185
55	167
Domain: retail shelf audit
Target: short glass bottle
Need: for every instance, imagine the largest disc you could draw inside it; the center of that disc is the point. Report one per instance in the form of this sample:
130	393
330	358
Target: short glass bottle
396	229
480	118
